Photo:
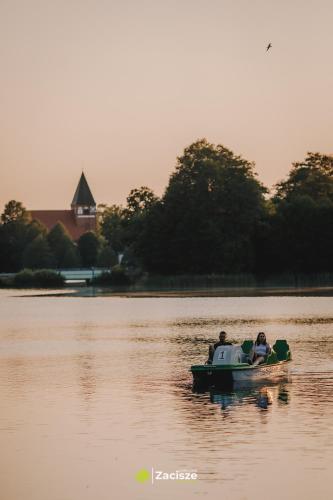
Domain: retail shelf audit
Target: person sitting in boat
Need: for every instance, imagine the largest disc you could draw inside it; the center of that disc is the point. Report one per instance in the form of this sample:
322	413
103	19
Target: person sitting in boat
260	350
222	341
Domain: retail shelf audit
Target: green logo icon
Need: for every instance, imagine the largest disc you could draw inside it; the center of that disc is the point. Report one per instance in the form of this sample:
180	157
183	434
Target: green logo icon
142	476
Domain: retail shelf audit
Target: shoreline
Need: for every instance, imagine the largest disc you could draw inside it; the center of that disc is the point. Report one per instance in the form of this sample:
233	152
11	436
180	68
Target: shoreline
88	292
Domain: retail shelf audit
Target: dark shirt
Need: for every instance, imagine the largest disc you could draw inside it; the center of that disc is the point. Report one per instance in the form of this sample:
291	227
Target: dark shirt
212	349
221	343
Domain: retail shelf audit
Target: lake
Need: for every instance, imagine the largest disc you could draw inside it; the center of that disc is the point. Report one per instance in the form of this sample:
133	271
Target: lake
95	390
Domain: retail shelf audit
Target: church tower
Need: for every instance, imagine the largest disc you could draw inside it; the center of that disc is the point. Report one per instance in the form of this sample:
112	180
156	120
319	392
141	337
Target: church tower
84	205
81	218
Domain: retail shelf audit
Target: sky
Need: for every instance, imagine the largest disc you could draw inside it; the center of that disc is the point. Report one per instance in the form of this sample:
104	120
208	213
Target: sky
120	88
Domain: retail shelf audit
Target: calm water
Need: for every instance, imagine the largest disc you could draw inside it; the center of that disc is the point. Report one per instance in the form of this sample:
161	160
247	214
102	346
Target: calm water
95	389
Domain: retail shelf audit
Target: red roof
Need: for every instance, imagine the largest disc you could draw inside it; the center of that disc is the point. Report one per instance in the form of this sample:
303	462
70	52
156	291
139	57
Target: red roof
75	226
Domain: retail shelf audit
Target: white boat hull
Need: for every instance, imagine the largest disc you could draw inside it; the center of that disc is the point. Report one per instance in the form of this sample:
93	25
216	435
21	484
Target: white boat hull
261	372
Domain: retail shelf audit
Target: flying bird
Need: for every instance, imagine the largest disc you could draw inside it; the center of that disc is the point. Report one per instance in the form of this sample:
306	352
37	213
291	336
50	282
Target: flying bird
268	46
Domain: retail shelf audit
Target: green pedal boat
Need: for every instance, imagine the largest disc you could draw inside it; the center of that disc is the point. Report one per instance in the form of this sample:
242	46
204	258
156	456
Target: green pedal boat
230	364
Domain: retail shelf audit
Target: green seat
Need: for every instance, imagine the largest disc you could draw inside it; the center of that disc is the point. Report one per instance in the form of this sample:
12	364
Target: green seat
272	358
247	346
282	350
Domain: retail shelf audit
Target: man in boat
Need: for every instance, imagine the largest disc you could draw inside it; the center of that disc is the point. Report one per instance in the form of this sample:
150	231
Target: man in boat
222	341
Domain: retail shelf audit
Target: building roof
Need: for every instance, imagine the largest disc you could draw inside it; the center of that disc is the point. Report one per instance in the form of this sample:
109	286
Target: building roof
83	194
67	217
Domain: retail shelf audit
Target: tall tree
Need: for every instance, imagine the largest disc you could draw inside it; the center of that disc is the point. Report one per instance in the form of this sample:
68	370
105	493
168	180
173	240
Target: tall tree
63	248
89	245
37	254
312	177
301	229
14	211
106	257
16	232
140	200
111	223
13	240
206	220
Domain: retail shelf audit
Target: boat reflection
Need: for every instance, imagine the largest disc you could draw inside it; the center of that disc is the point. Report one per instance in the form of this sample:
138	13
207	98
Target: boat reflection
261	396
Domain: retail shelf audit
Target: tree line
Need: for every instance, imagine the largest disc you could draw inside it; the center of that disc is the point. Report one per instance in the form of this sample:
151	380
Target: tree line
215	216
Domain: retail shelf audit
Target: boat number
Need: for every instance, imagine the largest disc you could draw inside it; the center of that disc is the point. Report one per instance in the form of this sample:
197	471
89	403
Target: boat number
221	356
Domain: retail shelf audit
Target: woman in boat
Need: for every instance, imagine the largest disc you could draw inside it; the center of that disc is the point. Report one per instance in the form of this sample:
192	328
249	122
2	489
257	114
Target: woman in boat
260	350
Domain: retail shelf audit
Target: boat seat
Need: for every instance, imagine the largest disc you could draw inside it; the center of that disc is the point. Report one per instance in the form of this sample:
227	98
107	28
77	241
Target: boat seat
247	346
281	348
272	358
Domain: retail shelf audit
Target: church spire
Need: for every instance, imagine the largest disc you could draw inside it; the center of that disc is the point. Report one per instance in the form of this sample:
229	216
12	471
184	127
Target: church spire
83	196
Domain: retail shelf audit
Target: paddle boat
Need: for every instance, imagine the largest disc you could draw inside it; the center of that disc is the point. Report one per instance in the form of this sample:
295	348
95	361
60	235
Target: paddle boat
230	365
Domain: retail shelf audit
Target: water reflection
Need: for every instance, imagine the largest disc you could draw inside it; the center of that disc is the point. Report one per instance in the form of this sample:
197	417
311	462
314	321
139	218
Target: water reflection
227	414
262	397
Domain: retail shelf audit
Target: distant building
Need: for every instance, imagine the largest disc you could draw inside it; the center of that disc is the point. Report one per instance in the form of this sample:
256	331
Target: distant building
79	219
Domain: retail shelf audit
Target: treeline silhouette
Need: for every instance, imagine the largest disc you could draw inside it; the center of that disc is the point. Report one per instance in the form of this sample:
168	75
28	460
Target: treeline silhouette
26	243
214	217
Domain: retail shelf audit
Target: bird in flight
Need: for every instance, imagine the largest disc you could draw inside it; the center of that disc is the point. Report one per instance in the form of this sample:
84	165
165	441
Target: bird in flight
268	46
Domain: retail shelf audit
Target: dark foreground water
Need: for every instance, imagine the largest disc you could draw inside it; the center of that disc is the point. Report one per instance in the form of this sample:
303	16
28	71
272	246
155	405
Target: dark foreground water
94	390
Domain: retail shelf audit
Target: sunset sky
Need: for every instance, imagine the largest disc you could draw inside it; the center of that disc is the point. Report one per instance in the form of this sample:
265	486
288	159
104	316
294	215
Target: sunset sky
119	88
